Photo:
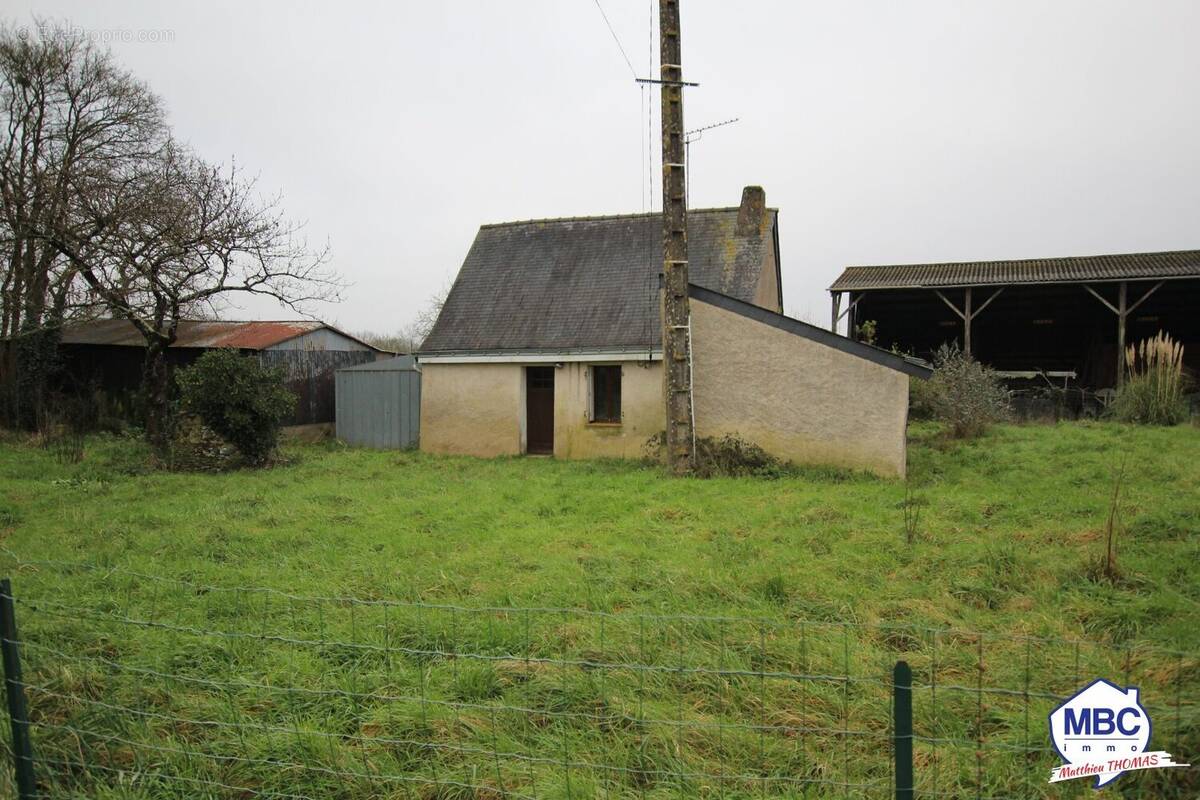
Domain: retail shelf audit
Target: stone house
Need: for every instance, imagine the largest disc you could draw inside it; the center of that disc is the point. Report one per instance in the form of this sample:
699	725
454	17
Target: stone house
549	342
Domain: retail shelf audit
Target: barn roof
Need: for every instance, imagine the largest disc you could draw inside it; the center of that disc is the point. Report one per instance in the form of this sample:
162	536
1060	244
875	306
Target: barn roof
247	335
1124	266
584	283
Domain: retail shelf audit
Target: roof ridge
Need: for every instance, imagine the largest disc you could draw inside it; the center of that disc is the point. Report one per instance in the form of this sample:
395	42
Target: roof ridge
200	319
603	217
1020	260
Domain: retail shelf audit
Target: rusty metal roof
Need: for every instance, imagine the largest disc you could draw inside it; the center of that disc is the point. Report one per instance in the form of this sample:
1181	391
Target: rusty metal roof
1124	266
253	335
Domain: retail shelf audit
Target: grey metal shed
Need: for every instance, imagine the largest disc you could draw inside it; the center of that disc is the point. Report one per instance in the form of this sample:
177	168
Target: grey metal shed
379	404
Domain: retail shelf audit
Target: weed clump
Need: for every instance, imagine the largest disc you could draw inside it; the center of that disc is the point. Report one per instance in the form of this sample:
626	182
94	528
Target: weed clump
728	456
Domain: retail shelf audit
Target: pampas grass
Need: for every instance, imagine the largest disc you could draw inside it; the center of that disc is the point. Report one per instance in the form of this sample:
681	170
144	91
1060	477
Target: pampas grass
1154	386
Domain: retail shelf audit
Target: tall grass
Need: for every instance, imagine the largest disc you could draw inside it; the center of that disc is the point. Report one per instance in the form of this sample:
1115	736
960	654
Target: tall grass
806	574
1153	390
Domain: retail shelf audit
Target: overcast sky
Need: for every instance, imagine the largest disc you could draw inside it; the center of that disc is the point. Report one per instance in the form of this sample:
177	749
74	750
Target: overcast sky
884	132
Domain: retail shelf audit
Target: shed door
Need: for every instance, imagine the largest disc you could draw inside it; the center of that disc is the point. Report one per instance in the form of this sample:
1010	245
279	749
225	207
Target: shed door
539	410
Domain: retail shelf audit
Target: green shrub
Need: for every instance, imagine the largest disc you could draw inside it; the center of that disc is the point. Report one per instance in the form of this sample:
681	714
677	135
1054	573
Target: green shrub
867	332
239	399
1153	390
920	399
965	394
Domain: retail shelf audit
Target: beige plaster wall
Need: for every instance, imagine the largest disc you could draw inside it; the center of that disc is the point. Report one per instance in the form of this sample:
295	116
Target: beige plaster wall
472	409
479	410
642	412
795	398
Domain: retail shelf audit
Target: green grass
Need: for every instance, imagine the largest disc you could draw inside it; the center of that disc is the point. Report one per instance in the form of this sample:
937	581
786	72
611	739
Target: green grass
730	578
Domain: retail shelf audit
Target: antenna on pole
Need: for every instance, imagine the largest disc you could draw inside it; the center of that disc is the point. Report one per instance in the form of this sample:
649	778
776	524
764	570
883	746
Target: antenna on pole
695	134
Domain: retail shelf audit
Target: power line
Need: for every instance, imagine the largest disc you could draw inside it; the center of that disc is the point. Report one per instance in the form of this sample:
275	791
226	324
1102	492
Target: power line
616	39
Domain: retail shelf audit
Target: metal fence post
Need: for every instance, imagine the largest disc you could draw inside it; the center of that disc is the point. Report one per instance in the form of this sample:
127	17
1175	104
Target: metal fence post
14	689
902	727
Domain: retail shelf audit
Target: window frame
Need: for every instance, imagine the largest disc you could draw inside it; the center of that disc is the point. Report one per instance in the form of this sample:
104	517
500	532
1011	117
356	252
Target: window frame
594	416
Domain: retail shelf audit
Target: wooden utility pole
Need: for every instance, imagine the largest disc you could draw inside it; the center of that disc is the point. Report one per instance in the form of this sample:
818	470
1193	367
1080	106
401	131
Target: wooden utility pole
676	313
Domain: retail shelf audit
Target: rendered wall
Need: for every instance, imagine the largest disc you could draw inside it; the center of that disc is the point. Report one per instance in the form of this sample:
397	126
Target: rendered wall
479	409
472	409
797	399
642	412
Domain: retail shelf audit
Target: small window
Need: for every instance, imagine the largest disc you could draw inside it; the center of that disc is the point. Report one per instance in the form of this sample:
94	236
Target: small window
606	394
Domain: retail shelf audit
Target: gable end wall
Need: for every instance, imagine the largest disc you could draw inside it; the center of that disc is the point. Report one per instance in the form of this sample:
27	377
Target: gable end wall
797	399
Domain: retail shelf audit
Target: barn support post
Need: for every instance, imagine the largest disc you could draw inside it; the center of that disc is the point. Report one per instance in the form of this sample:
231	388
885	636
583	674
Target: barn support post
1122	309
848	312
967	313
835	316
967	318
1122	313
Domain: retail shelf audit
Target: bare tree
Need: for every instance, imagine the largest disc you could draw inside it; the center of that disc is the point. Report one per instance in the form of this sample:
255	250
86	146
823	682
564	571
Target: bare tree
69	115
171	236
409	338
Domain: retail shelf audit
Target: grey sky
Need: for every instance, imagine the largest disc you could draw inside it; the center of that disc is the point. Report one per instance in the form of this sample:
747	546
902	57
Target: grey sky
884	132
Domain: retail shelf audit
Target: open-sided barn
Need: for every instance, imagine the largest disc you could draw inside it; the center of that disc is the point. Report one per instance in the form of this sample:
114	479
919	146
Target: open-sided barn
108	354
1065	318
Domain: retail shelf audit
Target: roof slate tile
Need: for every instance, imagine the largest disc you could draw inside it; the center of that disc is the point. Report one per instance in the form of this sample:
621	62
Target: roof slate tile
588	282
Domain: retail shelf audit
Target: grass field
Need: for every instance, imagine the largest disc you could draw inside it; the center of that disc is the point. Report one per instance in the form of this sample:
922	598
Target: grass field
723	638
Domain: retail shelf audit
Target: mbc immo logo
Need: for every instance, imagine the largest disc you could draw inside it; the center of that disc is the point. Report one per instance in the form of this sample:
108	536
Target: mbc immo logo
1102	731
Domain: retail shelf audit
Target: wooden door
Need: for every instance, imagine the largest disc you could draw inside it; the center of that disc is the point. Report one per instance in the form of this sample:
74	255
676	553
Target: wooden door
539	410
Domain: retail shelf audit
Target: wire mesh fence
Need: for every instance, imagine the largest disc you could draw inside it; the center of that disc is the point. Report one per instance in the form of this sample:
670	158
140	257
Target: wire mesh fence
146	686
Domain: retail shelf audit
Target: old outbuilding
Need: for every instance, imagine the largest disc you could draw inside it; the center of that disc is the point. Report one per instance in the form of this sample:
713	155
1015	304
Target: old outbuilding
107	355
550	343
1063	320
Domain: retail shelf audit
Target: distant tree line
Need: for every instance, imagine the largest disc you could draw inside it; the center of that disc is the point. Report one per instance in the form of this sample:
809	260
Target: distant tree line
104	213
408	339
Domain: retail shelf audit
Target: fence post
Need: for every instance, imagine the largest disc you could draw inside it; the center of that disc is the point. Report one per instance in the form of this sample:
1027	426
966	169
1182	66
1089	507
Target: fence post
14	689
902	729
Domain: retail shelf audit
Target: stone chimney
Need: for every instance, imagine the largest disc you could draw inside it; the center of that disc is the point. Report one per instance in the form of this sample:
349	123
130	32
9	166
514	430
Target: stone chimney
752	214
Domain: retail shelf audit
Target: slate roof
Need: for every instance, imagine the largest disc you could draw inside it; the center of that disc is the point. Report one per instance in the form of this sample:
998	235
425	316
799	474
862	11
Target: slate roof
1125	266
249	335
587	283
